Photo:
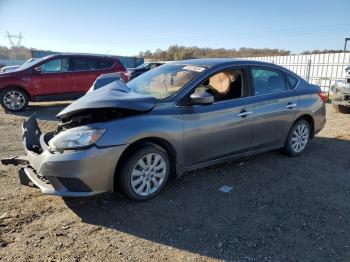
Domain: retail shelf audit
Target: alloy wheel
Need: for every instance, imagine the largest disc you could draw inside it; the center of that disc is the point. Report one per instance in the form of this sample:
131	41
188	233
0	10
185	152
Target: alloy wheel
148	174
300	138
14	100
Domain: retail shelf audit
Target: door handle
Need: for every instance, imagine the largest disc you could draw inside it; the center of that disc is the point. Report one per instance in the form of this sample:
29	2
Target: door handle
245	113
291	105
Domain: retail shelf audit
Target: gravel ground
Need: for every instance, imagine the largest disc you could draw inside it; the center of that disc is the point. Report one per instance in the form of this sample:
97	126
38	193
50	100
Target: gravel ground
280	209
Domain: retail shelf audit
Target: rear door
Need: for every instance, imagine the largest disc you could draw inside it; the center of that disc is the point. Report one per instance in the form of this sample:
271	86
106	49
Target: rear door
53	79
86	70
275	106
220	129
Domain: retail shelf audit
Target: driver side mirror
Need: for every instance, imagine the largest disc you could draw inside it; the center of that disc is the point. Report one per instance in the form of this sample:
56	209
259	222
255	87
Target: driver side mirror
202	98
38	70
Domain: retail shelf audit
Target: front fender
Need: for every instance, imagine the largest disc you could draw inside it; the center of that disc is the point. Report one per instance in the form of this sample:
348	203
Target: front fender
131	129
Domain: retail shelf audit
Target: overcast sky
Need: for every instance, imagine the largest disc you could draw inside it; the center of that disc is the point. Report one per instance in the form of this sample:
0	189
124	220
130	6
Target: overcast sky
130	26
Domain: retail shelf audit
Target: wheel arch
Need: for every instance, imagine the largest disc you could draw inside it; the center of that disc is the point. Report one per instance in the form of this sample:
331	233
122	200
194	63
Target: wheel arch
18	87
133	147
308	118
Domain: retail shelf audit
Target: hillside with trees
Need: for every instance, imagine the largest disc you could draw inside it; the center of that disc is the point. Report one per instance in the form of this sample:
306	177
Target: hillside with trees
175	52
15	53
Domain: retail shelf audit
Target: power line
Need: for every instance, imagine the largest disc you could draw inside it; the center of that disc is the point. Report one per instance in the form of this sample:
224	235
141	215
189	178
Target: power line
12	38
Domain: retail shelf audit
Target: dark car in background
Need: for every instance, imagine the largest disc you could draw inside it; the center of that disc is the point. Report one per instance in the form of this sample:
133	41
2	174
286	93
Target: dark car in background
178	117
341	94
106	79
57	77
134	72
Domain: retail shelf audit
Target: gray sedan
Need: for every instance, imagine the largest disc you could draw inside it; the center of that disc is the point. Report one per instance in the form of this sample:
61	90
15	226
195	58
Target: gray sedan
178	117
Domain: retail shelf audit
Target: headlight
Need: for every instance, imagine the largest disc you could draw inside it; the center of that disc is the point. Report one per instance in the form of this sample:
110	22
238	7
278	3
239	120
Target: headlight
75	138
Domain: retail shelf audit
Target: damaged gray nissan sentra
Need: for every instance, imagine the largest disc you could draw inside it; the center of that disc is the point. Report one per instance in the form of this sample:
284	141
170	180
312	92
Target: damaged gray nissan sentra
177	117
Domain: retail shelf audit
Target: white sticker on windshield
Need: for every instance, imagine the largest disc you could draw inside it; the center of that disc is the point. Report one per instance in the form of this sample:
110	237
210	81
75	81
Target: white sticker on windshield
194	68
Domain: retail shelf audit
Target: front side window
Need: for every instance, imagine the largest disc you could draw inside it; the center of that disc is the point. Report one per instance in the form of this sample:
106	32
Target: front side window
55	65
224	85
164	81
268	81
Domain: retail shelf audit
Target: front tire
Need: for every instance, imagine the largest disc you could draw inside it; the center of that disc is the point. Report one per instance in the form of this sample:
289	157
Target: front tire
145	173
14	99
298	138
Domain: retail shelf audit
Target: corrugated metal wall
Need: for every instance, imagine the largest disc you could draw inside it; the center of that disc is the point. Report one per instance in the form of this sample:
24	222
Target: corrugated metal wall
321	69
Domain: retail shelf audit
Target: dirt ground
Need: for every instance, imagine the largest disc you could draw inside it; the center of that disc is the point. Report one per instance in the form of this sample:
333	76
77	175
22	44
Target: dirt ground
280	209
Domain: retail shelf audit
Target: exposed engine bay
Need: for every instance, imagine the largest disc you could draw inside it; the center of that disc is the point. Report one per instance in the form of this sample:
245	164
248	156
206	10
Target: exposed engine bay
93	116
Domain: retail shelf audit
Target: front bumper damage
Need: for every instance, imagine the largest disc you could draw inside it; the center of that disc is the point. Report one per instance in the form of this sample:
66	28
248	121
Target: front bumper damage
70	173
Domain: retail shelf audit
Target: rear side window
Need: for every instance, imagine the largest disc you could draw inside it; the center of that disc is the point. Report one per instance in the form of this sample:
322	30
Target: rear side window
85	63
292	81
105	64
268	81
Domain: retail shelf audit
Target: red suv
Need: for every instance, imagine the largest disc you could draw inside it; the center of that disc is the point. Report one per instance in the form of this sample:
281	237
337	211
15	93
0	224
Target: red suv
54	78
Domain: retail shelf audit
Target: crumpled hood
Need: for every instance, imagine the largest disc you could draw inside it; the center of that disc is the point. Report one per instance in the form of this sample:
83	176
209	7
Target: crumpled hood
114	95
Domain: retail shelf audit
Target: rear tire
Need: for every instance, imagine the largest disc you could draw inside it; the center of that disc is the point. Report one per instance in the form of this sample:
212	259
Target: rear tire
14	99
298	138
144	173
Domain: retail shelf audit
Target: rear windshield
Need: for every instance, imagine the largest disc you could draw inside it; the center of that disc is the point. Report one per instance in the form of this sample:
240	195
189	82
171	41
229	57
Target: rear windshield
105	81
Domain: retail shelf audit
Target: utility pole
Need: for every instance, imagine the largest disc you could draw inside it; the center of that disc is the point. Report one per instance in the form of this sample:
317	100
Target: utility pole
345	44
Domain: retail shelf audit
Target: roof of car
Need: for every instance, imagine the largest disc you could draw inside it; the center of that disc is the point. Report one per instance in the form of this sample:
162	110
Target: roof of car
83	54
210	62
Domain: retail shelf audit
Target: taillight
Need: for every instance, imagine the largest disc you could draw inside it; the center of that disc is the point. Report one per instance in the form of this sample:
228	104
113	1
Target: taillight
323	96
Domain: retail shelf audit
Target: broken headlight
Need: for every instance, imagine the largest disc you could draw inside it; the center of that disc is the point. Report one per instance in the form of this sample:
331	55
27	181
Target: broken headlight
75	138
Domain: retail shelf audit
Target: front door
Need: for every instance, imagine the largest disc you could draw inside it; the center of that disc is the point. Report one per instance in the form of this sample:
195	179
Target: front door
223	128
53	78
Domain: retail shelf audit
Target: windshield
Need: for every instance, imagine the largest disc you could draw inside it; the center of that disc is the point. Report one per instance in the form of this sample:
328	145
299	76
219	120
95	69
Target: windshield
165	80
29	63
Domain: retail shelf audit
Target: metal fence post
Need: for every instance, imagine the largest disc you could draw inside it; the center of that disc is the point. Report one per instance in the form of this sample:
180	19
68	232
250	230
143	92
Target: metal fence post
308	70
